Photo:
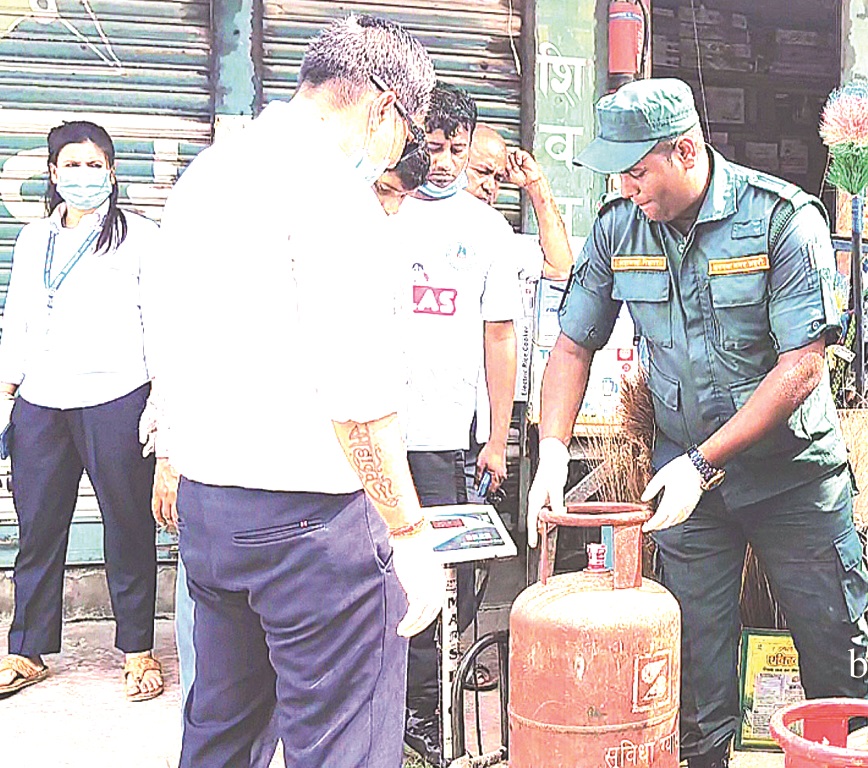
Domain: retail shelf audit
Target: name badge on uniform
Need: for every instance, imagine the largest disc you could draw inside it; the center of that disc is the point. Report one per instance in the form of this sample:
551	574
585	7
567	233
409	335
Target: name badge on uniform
639	263
758	262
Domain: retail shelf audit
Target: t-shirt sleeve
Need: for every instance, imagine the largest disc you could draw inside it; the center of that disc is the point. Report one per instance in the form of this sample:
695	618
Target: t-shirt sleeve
588	311
802	306
501	297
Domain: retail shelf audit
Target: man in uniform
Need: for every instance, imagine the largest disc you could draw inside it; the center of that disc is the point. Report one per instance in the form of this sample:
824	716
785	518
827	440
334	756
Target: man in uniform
727	275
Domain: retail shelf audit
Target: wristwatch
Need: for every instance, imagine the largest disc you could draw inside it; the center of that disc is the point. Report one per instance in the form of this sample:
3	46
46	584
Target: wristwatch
711	476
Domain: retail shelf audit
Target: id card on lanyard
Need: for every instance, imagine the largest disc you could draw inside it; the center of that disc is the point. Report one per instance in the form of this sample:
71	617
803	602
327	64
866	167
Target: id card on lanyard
52	286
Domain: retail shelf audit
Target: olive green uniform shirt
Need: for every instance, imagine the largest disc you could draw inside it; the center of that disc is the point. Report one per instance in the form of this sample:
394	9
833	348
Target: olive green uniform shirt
716	308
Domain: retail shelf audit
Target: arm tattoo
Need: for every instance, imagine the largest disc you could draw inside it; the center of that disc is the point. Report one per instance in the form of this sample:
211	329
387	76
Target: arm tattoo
368	463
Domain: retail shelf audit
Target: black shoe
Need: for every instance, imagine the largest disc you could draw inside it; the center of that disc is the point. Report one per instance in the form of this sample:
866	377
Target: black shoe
717	758
422	735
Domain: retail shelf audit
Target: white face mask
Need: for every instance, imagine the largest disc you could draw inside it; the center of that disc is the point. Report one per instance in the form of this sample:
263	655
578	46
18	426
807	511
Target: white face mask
367	169
84	188
429	191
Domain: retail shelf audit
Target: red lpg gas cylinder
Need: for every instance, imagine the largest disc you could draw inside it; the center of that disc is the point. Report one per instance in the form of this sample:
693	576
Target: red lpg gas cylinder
594	659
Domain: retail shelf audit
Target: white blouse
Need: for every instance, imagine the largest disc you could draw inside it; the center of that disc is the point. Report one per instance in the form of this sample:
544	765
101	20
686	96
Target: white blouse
85	345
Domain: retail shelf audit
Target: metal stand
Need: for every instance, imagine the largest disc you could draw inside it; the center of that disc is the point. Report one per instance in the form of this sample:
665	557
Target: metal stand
449	657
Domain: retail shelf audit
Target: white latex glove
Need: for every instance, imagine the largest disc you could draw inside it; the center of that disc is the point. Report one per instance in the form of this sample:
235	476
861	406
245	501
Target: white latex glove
680	482
548	484
422	578
148	426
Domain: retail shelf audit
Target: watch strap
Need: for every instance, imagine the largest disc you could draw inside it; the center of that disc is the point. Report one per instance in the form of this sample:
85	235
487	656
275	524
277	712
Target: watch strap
710	475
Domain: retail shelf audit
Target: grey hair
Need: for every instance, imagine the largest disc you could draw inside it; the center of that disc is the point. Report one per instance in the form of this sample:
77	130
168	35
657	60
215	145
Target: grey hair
348	51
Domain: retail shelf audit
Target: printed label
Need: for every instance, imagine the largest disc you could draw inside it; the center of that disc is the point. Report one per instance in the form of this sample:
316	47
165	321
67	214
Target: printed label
639	263
651	680
434	301
759	262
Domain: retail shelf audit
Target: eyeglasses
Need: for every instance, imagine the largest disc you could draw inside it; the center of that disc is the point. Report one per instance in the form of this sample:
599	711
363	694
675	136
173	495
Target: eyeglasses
399	106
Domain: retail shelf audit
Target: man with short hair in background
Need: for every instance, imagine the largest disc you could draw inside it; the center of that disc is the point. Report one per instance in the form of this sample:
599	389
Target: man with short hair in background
463	297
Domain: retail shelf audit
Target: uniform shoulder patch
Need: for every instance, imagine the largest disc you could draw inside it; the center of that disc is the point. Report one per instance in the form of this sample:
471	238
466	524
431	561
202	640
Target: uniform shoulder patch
785	190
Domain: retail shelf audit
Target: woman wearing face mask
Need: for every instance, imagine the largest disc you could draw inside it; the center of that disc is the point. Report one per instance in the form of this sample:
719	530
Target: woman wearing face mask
73	384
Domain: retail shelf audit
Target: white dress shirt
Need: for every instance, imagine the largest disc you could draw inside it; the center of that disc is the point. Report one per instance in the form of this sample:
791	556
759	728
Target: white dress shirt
87	348
277	311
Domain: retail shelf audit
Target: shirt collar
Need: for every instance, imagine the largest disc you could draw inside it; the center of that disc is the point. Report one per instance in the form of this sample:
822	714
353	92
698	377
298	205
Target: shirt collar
89	220
720	198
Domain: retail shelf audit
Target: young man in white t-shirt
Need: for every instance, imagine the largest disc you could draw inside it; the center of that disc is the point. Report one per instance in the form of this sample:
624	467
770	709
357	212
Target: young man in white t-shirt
462	295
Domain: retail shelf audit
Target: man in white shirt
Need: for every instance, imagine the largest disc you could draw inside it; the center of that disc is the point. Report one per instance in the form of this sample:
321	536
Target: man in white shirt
463	296
280	380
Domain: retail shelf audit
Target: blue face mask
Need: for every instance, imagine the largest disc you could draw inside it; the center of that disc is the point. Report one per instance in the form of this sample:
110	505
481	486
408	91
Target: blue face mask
84	188
429	191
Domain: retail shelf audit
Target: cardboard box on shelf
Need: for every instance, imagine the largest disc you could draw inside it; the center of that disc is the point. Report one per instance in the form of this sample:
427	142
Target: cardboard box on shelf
702	15
524	342
539	356
803	37
665	51
706	32
725	105
739	21
617	359
603	393
762	155
794	157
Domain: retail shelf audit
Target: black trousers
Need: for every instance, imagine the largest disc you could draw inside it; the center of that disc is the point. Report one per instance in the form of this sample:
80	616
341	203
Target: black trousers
49	450
807	544
439	479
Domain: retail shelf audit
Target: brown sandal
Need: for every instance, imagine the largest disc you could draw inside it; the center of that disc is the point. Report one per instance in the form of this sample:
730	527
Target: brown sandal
137	667
29	673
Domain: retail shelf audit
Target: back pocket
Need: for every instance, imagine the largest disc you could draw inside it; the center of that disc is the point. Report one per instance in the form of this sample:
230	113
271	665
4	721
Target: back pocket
275	534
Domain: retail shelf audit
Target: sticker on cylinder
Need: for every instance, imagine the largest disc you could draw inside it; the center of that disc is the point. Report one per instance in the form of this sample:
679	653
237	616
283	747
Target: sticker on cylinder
652	680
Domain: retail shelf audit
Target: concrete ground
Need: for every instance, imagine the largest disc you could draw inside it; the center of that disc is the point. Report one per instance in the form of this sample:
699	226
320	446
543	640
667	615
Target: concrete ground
79	718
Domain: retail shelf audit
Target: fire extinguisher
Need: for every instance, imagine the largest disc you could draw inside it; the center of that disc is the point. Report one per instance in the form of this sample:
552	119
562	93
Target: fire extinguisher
628	41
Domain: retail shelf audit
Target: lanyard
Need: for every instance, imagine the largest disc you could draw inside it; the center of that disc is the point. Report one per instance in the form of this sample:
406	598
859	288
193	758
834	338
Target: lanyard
52	286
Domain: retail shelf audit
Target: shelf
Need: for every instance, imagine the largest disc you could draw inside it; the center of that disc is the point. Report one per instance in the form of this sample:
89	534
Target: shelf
762	81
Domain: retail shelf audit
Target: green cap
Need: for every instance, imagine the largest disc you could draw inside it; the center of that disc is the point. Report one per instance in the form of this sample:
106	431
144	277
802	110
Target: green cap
634	118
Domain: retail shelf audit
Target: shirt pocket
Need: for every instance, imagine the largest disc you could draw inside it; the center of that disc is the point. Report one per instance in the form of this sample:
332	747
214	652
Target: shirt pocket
668	406
647	297
741	310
